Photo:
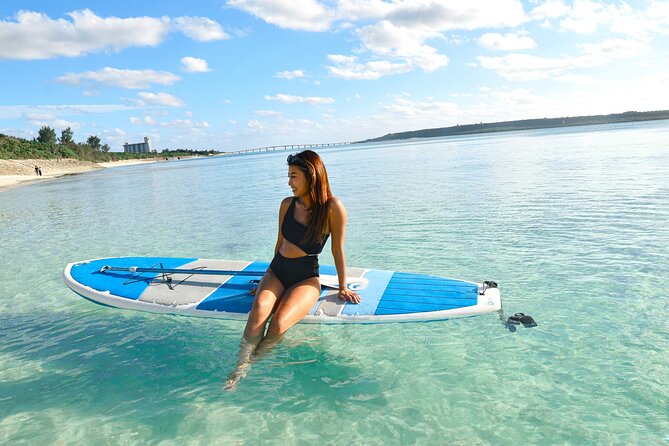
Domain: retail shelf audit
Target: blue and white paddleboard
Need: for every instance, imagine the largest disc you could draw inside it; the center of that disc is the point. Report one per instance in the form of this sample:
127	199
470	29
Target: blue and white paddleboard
219	288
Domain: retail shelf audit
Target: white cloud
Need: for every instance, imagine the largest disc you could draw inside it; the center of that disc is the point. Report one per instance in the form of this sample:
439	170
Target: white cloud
51	120
194	65
576	79
550	9
184	123
347	67
35	35
506	42
388	40
290	99
405	113
341	59
166	99
281	130
19	111
200	28
32	116
267	113
596	54
404	27
290	74
115	77
407	109
439	15
398	32
363	9
659	12
585	16
146	120
302	15
115	137
523	67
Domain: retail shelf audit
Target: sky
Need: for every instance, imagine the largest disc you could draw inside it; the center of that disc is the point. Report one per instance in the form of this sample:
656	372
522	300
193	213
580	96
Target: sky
238	74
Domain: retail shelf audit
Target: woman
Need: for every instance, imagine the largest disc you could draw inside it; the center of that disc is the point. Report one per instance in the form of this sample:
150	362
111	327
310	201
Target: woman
290	287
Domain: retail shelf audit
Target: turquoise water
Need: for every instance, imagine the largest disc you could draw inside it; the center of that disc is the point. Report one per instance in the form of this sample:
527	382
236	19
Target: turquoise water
572	224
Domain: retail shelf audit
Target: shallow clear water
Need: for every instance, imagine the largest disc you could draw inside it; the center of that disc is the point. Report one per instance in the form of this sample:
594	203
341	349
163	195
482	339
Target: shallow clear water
572	223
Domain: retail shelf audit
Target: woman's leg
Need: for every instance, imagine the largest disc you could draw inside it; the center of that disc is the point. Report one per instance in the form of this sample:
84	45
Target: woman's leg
296	302
266	298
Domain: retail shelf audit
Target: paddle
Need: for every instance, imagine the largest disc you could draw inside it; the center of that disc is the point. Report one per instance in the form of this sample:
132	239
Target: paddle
328	281
217	272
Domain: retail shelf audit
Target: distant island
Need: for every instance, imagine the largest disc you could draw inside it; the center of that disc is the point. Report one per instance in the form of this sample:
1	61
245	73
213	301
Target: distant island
525	124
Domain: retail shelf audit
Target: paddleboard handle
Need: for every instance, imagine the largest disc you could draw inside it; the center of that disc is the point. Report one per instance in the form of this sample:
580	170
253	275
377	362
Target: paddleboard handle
487	284
104	269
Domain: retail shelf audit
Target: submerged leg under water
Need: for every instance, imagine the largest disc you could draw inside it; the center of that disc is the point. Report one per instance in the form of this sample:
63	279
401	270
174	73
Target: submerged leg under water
250	350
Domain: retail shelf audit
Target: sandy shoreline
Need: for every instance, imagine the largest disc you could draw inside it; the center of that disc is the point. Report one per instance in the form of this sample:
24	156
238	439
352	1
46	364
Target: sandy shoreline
18	172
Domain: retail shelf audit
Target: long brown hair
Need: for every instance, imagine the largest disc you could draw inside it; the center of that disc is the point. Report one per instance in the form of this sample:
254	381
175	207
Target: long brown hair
319	192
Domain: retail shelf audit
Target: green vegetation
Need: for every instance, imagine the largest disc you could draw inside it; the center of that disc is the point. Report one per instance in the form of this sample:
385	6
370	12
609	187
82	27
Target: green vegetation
45	146
47	135
67	136
527	124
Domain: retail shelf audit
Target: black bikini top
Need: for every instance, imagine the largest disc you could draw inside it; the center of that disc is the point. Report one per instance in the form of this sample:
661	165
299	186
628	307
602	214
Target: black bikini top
294	231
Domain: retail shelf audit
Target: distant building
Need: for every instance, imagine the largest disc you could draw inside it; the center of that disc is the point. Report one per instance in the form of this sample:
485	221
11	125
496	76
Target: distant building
140	147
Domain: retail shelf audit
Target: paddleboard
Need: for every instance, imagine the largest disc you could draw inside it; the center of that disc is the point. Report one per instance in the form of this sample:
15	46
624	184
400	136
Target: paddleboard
220	289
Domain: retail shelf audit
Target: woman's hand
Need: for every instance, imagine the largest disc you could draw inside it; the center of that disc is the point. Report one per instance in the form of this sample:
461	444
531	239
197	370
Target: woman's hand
349	296
252	291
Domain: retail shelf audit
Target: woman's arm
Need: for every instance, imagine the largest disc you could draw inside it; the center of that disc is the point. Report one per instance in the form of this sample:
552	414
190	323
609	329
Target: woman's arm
338	218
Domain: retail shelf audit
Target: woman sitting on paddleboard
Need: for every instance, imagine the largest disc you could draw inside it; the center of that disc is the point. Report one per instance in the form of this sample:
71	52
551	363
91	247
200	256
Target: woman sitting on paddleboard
290	287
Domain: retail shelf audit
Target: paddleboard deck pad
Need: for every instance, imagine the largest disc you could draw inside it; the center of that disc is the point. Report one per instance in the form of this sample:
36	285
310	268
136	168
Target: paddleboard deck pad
206	290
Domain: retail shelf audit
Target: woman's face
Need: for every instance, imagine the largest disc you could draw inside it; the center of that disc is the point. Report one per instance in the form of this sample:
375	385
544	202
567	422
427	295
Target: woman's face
297	181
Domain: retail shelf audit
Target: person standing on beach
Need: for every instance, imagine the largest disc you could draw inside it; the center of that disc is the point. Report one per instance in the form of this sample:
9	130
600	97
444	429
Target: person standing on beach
290	287
36	170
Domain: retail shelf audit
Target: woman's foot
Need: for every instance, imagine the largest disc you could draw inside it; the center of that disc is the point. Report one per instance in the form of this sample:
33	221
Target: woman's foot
244	360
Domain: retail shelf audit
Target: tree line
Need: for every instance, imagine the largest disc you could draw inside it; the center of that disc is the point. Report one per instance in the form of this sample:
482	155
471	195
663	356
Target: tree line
47	135
48	146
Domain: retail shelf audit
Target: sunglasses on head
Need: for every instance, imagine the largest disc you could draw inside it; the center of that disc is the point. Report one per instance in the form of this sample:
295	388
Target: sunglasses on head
296	160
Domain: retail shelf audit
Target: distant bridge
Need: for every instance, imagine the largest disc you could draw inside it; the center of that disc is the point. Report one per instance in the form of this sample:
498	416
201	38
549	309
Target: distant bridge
291	147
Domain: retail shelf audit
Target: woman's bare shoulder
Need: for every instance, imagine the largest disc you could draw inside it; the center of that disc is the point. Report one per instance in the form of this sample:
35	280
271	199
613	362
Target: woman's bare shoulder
335	206
334	201
284	205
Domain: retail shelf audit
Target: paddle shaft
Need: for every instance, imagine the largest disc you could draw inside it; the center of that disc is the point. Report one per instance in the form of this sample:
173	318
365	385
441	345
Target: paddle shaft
213	272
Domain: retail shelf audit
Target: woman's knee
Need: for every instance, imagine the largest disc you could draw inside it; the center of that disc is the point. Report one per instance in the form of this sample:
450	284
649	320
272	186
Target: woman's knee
262	308
280	323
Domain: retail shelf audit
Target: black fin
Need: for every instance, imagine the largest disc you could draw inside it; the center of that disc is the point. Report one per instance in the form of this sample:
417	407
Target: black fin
521	318
527	321
515	319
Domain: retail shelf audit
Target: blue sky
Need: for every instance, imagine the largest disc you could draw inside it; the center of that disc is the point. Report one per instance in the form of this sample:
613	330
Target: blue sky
237	74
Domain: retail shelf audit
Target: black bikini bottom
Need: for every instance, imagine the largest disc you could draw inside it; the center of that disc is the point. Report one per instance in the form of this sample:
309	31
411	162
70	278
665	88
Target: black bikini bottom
290	271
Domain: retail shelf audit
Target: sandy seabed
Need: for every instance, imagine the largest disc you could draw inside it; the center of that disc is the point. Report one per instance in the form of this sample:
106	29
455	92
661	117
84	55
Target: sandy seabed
15	172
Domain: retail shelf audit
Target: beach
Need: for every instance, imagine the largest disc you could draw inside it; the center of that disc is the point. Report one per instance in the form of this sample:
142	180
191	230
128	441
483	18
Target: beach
22	171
